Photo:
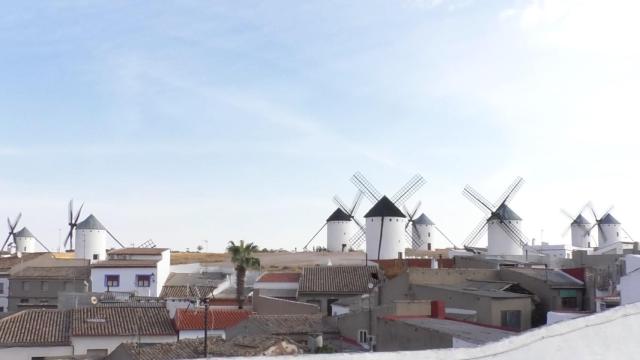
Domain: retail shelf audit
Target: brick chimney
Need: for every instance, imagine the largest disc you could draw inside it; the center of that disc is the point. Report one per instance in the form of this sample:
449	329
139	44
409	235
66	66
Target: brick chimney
437	309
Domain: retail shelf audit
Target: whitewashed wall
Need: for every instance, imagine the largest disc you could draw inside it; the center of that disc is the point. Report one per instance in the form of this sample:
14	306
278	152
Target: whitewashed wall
127	280
83	343
27	353
4	296
192	334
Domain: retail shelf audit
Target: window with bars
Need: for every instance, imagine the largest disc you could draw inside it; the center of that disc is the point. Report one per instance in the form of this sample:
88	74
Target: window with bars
143	280
111	281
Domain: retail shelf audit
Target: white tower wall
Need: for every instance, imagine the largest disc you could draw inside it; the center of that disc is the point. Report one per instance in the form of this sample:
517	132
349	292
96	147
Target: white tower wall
608	234
393	240
338	233
500	243
25	244
426	233
91	244
579	235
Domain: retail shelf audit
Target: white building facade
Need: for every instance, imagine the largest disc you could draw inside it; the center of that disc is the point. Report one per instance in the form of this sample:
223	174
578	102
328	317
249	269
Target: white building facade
385	231
339	231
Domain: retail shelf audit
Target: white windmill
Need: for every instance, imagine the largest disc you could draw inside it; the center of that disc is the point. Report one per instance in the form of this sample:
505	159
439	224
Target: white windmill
424	231
340	225
580	229
502	224
385	222
90	236
609	228
24	241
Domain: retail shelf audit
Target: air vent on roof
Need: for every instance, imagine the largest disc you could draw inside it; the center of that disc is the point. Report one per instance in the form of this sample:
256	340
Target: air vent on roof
96	320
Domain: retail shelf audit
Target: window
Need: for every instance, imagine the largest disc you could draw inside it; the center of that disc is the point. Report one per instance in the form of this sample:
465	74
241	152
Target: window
1	309
95	256
143	280
329	302
44	286
429	246
1	288
25	286
510	319
569	302
111	281
362	336
24	301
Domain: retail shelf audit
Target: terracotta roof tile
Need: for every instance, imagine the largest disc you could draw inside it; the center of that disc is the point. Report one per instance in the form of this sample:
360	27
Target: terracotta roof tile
35	328
290	277
121	321
189	319
337	279
185	292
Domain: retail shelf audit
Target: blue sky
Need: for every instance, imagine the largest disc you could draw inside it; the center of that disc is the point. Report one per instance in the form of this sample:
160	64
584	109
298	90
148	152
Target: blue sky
188	121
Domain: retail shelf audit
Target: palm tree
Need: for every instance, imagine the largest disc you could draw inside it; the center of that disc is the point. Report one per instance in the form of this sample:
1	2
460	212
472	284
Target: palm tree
241	255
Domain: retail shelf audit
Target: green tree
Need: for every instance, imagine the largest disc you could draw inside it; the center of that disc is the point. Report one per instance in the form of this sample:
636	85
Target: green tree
242	257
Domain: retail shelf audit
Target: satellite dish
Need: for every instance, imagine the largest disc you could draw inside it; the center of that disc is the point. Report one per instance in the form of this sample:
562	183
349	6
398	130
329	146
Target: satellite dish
94	300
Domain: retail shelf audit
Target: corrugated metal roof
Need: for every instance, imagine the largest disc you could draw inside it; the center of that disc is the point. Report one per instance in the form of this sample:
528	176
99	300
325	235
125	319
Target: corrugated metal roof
90	223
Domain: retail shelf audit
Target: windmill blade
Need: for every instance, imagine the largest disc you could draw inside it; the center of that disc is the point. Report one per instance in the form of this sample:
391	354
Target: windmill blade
314	236
16	221
5	242
607	212
416	238
415	209
565	231
567	214
357	200
603	233
475	235
445	236
407	191
69	238
625	231
114	238
483	204
510	192
362	184
356	240
514	234
358	223
75	222
414	241
41	244
340	204
70	211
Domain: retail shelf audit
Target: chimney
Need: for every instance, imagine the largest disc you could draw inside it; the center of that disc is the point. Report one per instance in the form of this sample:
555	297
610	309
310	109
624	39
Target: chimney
437	309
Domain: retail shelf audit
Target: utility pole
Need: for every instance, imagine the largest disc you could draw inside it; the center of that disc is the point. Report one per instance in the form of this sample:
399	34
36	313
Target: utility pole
206	326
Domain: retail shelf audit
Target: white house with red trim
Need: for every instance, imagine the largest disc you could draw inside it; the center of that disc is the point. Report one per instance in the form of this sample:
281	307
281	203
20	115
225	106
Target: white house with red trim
143	271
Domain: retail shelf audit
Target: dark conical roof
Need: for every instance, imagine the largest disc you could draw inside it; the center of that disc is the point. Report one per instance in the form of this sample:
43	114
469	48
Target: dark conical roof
423	220
504	213
609	220
90	223
384	207
580	220
339	215
24	232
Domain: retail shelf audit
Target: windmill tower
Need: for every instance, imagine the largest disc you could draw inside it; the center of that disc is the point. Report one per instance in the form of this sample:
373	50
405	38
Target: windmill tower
502	224
385	222
340	225
580	229
25	241
91	239
424	230
609	228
